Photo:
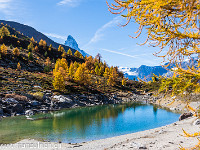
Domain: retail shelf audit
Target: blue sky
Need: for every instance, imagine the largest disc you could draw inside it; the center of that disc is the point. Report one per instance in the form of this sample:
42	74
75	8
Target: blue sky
95	29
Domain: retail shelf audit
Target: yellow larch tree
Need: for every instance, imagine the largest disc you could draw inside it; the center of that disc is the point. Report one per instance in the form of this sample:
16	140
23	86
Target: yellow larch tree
16	51
69	52
4	49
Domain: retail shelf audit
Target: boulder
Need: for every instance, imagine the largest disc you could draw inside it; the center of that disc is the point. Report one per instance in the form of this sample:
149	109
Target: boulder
35	103
29	112
11	100
196	122
185	115
18	108
61	98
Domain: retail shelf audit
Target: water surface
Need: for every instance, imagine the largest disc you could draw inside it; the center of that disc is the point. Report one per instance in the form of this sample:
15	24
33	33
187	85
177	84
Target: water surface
85	124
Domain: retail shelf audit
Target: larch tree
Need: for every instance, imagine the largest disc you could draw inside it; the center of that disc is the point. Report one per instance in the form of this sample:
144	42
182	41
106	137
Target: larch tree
61	49
18	66
30	47
82	75
59	82
69	52
16	51
32	40
71	71
174	26
4	49
170	25
4	31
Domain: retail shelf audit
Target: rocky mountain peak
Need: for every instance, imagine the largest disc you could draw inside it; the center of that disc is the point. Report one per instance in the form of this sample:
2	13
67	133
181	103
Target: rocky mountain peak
71	42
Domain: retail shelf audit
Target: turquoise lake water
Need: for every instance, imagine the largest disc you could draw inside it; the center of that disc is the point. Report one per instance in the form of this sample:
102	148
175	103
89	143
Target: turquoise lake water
86	124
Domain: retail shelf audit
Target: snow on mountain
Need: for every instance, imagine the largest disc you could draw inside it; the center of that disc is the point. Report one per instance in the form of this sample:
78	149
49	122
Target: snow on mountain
147	71
71	42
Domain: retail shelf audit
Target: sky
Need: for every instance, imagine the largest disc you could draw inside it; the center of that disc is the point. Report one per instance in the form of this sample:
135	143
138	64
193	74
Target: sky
95	29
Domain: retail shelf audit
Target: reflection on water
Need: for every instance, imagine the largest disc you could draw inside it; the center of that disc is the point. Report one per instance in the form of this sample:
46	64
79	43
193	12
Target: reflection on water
84	124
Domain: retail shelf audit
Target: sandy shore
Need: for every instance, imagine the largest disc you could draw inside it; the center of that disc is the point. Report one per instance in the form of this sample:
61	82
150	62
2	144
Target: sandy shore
168	137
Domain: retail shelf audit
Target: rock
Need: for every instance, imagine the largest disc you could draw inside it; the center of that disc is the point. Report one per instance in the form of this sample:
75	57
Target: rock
18	108
6	110
61	98
196	122
1	112
11	100
35	103
29	112
185	115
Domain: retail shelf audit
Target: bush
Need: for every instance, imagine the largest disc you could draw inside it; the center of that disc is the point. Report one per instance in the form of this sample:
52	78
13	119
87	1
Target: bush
38	96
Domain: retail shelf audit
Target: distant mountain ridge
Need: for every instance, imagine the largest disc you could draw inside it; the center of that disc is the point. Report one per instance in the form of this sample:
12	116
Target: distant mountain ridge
71	42
31	32
147	71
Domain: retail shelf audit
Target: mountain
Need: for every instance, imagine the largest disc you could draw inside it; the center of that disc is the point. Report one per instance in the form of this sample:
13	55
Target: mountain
147	71
142	72
31	32
71	42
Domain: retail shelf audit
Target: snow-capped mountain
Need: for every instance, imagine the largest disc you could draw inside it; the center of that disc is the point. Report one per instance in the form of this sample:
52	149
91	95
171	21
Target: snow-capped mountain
71	42
147	71
142	72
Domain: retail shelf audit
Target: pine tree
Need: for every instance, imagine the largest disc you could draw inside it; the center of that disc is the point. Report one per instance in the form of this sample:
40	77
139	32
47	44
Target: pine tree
71	71
16	51
69	52
45	54
4	31
59	82
4	49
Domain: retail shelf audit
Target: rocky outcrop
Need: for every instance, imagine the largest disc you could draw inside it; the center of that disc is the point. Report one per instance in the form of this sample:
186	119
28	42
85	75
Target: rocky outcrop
30	105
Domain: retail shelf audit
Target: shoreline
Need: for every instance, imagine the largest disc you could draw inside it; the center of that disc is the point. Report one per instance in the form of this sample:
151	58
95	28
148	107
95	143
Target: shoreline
165	137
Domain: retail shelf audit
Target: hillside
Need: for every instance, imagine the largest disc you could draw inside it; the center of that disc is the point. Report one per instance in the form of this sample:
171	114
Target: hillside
31	32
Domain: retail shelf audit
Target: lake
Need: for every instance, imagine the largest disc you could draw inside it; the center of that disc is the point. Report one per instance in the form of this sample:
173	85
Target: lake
86	124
